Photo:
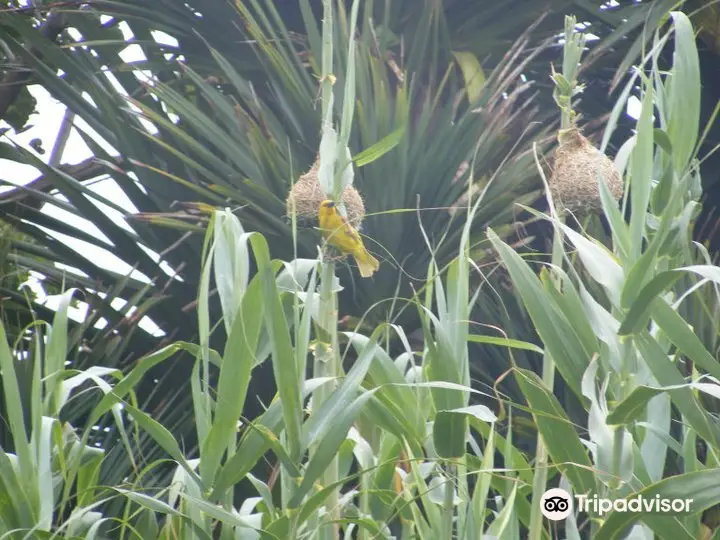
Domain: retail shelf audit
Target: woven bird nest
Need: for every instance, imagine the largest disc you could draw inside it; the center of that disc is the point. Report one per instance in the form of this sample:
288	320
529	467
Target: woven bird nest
576	169
307	195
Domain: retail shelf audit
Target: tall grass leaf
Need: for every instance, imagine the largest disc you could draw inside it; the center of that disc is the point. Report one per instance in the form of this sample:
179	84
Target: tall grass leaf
449	435
126	385
231	263
431	513
642	268
512	454
555	331
657	439
315	501
504	520
380	148
384	373
57	340
43	448
163	437
15	416
275	444
604	326
312	31
440	359
641	171
89	475
639	313
560	437
328	446
220	514
181	482
93	373
377	529
574	304
456	322
599	262
146	525
450	428
683	337
684	100
254	444
285	368
322	419
20	510
613	446
86	523
668	374
383	413
478	503
295	276
505	342
153	503
348	109
302	338
234	379
633	407
264	490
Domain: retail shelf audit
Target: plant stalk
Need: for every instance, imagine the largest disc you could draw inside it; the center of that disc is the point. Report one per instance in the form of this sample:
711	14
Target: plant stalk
448	512
327	364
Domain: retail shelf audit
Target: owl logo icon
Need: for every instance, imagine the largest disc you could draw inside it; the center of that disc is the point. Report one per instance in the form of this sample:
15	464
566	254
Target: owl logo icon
556	504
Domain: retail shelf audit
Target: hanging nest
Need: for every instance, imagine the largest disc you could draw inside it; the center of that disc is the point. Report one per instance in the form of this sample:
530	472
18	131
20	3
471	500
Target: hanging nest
577	166
307	195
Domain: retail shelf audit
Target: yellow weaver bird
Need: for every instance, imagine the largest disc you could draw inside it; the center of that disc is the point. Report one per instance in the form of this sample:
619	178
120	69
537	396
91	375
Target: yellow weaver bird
341	235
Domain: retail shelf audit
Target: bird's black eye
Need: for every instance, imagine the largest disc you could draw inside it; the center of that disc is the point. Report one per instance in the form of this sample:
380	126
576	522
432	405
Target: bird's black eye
330	204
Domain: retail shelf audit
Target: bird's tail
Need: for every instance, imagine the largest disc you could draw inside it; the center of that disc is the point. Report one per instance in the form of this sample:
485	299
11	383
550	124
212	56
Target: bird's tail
367	264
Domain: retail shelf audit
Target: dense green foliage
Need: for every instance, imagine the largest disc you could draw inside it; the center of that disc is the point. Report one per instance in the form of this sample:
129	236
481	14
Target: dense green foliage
402	433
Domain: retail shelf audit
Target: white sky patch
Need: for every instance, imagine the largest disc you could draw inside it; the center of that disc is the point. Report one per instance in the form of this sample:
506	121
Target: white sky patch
72	220
115	83
164	39
634	106
126	31
76	150
109	189
100	256
75	34
87	97
132	53
71	270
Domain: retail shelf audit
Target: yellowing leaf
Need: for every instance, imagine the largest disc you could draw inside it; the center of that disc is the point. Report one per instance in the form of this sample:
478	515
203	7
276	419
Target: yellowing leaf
472	73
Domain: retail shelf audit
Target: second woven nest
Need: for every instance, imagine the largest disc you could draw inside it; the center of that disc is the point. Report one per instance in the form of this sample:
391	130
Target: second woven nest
576	169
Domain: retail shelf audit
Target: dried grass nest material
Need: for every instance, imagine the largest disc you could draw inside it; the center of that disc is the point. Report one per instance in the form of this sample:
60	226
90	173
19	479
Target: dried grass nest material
577	165
307	196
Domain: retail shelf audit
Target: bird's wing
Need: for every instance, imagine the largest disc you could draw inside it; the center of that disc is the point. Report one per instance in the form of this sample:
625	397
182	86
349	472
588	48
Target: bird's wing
349	229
